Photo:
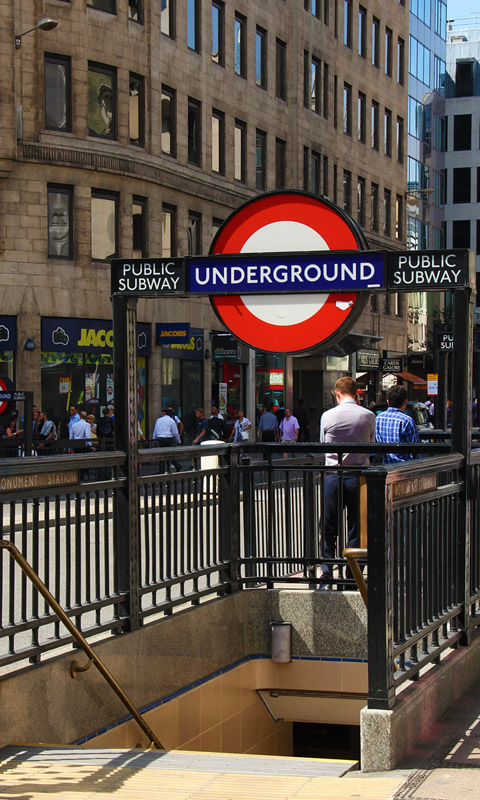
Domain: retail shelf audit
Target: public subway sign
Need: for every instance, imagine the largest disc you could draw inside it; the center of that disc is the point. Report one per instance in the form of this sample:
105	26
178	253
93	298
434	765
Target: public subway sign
419	270
154	276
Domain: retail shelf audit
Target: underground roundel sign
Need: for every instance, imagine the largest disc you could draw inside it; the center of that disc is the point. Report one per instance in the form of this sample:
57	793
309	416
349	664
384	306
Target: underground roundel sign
288	222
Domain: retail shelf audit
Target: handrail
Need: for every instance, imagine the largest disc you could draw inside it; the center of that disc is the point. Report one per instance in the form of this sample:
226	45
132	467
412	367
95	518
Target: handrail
80	639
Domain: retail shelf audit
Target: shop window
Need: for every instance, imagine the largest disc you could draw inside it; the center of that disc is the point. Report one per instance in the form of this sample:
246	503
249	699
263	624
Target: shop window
104	222
261	57
169	227
261	159
169	143
240	64
280	163
218	142
135	11
167	18
102	101
194	132
239	151
193	25
139	218
109	6
60	221
137	110
58	93
461	184
281	70
218	32
194	234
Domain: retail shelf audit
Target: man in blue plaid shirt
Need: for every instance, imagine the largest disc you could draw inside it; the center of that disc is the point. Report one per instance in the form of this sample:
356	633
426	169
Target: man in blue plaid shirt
393	425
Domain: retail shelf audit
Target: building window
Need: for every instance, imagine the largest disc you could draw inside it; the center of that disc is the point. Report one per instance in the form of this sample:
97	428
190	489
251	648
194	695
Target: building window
218	142
168	121
281	70
326	11
335	101
167	18
374	124
387	133
280	164
60	221
261	58
361	201
399	140
461	185
387	308
58	93
362	31
440	18
194	132
388	52
347	23
439	69
240	45
347	191
218	32
315	85
137	110
104	223
315	167
108	6
102	101
315	9
194	233
374	303
335	183
387	212
419	61
478	250
347	109
193	25
139	218
239	151
216	225
135	11
375	42
478	185
325	176
306	166
400	61
415	118
399	217
462	132
325	90
306	79
261	159
461	233
361	117
169	230
374	194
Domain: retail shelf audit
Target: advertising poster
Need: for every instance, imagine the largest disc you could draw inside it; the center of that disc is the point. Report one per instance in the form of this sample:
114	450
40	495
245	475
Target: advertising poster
64	386
222	398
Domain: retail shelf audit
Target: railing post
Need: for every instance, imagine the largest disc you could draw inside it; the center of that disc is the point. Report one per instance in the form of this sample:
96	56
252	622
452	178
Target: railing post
230	517
126	501
381	693
249	539
463	307
310	532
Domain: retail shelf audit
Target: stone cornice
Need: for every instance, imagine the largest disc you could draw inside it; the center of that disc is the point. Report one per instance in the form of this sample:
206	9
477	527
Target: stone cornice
175	178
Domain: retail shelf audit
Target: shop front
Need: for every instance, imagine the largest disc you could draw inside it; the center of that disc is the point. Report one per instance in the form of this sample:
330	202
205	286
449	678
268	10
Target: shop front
229	362
270	381
8	343
182	375
367	375
77	367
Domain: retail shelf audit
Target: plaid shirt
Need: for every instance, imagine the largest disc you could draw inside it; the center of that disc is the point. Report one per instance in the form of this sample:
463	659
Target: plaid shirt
393	425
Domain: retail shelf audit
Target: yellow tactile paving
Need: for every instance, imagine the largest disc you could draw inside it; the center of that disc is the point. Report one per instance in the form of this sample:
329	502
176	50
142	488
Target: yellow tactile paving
22	781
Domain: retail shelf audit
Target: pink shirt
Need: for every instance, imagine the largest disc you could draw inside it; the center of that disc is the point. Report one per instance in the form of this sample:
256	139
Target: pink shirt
288	426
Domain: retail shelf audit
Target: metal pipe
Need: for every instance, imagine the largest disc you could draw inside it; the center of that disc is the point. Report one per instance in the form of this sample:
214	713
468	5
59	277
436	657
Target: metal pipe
352	554
79	638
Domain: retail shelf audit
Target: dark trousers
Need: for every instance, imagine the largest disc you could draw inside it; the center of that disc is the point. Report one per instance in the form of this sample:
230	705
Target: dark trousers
268	436
332	522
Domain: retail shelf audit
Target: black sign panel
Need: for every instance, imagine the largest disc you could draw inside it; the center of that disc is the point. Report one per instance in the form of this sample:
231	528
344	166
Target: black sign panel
153	276
391	364
443	342
421	270
15	396
368	359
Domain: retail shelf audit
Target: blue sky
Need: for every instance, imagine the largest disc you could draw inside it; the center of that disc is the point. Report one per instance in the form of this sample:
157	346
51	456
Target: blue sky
459	9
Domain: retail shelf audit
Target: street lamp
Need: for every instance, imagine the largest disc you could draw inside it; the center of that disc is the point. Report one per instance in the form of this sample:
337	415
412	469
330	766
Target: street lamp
45	24
418	192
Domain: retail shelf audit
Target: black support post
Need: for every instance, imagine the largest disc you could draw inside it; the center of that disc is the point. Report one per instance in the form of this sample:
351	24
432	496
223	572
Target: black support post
126	522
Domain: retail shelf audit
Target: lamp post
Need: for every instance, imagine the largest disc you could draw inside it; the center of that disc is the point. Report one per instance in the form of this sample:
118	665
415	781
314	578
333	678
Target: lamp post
45	24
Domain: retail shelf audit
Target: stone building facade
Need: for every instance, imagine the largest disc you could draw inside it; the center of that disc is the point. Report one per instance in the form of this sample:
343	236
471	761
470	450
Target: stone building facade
135	128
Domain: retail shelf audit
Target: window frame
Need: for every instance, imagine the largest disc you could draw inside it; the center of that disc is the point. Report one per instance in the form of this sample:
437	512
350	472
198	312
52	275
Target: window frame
143	203
280	163
387	132
140	80
220	7
241	47
169	15
171	212
361	117
241	127
104	69
280	69
196	218
260	57
95	3
170	93
65	61
101	194
67	191
140	14
362	32
193	26
347	109
315	85
194	137
347	23
260	171
387	212
220	117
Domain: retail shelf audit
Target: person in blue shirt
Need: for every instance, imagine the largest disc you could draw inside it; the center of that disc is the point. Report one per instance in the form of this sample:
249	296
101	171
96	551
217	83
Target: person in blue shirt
395	426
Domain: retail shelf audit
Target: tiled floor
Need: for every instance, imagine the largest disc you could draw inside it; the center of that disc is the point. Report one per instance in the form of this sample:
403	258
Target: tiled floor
68	774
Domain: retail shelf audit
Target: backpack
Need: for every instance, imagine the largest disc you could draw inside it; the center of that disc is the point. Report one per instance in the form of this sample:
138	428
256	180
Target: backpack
104	428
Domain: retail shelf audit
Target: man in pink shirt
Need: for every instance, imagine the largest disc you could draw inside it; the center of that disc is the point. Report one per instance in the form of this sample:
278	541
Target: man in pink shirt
289	427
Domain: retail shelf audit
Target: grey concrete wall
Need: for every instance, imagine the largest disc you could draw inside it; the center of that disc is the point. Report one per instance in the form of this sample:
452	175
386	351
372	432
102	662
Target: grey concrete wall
44	704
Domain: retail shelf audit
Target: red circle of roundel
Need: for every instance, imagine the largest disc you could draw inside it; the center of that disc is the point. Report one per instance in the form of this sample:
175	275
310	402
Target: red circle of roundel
338	231
3	388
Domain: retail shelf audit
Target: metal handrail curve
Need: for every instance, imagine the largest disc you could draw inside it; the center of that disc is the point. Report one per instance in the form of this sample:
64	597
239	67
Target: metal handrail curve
81	641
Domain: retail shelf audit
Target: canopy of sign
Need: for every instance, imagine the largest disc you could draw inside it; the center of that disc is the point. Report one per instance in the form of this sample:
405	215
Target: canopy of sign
299	322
